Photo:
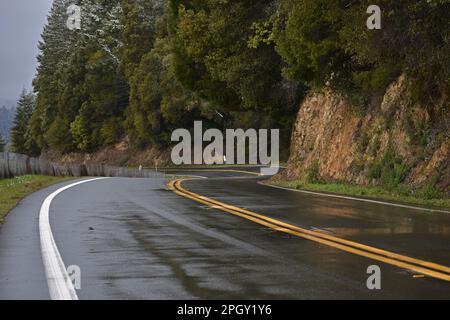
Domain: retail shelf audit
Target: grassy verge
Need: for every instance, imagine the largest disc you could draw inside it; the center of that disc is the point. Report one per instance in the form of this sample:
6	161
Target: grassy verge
371	192
14	190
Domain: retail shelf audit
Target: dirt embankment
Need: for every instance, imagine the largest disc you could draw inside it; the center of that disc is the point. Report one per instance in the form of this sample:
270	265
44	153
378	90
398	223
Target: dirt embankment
393	140
120	155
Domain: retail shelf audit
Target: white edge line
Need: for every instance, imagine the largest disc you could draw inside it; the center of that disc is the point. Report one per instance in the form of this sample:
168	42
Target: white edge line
59	283
355	199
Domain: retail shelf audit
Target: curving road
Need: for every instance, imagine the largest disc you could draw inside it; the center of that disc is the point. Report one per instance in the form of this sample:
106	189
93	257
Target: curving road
138	239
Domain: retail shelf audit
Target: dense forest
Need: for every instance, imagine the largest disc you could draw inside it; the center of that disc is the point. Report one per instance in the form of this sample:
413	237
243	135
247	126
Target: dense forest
140	68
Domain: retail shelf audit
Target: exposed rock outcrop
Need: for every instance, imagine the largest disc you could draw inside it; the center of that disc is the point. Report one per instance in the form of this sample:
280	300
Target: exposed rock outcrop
353	144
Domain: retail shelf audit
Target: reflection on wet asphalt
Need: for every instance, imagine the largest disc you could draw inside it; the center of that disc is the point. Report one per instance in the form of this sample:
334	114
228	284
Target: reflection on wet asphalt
413	232
134	239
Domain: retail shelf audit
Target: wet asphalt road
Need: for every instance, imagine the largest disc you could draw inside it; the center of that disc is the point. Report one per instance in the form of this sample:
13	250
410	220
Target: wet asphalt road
135	239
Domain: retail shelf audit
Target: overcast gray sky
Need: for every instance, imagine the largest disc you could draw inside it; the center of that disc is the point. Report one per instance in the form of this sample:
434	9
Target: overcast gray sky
21	24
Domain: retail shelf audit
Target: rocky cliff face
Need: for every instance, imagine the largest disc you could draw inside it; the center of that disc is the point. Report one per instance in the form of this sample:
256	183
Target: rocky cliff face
393	141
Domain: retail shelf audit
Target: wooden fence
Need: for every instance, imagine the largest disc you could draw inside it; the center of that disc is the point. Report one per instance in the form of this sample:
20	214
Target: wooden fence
12	164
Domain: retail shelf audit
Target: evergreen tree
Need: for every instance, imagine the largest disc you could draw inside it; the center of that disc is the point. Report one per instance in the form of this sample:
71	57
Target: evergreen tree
79	82
137	31
158	102
99	92
20	131
101	25
55	46
59	136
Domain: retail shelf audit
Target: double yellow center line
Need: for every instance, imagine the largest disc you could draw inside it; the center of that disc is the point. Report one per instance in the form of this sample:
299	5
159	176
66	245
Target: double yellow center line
213	170
419	266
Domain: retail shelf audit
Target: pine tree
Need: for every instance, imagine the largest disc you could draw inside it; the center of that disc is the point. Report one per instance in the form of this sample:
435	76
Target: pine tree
99	92
55	46
19	131
101	25
79	84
